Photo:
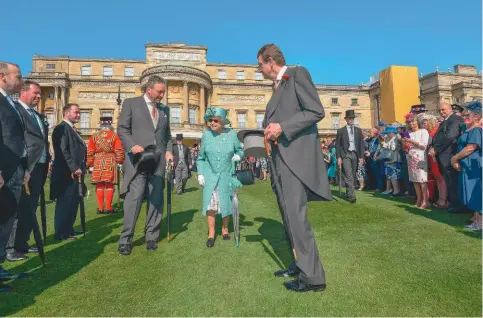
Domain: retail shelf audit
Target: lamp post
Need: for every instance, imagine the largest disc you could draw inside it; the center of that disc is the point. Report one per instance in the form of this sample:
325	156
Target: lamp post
119	101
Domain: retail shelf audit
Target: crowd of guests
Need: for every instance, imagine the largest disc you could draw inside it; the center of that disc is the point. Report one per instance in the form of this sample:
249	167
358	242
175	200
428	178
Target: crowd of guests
424	158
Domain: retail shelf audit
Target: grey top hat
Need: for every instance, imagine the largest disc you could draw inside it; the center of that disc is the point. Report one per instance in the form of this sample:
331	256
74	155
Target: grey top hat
253	143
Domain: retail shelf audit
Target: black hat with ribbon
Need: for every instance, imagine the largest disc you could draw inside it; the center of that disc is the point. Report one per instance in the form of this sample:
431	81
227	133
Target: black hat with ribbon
148	160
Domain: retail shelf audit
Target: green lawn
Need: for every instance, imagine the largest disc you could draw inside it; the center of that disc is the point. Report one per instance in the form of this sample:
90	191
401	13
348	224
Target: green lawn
382	258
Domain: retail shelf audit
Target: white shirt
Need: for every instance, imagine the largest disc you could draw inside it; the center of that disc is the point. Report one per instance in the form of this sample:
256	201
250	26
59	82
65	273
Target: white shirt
448	116
281	72
150	108
3	92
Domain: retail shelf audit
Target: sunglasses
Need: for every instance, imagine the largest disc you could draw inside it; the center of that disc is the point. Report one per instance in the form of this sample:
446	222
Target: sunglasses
216	121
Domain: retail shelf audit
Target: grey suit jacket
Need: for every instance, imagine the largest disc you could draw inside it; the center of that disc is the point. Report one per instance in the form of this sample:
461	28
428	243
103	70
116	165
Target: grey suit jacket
136	127
35	138
342	142
296	106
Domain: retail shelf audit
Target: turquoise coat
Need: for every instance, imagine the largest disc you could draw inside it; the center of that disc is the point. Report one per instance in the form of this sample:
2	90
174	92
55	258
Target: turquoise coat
215	164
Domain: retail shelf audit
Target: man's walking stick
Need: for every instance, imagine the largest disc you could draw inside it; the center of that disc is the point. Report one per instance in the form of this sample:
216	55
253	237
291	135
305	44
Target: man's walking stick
118	185
168	197
340	180
36	231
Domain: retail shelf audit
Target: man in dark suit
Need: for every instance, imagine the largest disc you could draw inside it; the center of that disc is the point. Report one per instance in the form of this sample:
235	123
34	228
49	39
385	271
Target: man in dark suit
69	163
144	122
182	163
350	151
444	147
13	157
36	137
298	171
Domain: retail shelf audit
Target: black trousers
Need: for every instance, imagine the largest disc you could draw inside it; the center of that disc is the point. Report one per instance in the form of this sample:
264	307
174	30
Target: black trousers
66	210
27	208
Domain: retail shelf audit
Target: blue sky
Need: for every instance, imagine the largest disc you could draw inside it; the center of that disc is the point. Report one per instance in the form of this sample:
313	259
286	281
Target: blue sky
340	42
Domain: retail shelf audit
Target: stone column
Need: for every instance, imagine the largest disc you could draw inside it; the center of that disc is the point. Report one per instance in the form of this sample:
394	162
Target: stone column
63	96
209	99
185	116
165	98
202	104
57	111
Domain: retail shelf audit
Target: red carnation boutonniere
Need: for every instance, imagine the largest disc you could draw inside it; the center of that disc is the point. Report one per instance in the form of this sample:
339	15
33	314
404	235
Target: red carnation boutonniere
285	77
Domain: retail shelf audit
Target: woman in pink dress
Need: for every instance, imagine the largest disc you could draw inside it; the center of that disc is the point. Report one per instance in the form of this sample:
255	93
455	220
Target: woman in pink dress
417	161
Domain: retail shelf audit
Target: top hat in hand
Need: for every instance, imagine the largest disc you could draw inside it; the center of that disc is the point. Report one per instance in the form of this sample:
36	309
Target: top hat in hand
148	160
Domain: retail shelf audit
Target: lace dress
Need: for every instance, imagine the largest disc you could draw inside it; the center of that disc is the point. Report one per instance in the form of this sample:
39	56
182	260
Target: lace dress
417	161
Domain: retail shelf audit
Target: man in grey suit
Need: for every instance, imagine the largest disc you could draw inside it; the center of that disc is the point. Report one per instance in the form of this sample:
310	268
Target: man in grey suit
144	122
298	171
36	137
350	148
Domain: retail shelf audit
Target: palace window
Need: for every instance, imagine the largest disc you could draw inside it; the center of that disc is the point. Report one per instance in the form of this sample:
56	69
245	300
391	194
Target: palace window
356	120
50	67
85	119
260	117
129	71
85	70
107	72
240	75
192	115
242	120
258	76
222	74
175	115
354	101
335	101
335	120
50	119
107	113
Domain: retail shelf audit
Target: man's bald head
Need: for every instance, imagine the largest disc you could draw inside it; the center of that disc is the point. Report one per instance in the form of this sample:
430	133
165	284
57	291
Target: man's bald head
445	109
10	77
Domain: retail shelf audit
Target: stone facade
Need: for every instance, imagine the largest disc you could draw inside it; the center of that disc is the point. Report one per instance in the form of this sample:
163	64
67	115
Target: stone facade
194	84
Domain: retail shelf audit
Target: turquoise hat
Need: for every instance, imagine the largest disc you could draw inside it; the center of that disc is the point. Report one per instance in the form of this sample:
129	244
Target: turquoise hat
390	129
217	112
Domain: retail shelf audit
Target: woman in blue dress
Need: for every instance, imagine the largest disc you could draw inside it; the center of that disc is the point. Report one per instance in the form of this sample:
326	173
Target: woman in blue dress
468	162
220	148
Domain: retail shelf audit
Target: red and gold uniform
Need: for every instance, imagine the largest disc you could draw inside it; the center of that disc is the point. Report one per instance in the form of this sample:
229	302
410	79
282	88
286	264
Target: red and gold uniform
104	152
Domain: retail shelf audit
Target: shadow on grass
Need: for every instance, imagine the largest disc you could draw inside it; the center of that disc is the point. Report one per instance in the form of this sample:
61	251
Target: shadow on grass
273	232
456	220
62	262
179	224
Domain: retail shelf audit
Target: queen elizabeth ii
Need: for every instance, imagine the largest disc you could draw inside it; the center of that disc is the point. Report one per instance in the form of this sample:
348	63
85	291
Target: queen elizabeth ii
220	148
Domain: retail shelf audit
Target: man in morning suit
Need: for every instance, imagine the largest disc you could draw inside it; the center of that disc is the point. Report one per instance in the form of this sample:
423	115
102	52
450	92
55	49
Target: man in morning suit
444	147
36	137
13	160
350	149
144	122
182	163
69	163
298	171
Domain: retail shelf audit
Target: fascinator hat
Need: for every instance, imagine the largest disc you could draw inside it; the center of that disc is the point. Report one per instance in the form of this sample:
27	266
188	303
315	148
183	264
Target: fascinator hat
474	107
217	112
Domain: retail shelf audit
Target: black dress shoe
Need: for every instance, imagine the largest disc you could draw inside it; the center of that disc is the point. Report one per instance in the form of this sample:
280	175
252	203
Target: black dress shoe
210	242
16	256
226	237
5	288
124	249
76	233
33	250
353	200
100	211
286	272
300	286
4	275
151	245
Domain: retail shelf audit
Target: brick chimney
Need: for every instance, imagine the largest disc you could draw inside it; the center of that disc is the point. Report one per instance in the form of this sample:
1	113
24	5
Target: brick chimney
465	69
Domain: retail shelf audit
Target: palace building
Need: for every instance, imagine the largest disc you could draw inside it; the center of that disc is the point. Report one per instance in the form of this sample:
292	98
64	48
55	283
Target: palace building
98	85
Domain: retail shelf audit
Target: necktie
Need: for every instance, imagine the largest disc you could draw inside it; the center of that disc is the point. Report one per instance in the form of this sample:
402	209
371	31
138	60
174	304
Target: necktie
32	113
153	111
15	108
352	130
